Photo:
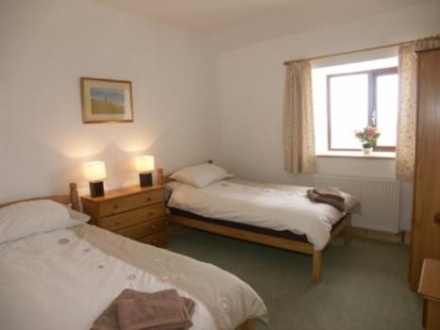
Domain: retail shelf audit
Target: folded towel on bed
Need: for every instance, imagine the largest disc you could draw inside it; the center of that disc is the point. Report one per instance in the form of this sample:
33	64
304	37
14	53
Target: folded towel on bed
331	192
330	196
159	310
133	310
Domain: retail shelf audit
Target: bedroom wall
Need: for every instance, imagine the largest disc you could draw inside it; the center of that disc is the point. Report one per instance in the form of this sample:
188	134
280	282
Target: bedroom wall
47	45
252	84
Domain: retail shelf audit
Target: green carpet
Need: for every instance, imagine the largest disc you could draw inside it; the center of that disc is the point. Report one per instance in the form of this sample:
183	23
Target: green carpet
364	286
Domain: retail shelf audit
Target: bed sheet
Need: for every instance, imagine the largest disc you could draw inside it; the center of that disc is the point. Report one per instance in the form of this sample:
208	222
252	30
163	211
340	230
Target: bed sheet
65	278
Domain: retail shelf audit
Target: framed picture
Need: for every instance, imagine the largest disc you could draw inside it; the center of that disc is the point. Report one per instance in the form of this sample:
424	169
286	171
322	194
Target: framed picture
105	100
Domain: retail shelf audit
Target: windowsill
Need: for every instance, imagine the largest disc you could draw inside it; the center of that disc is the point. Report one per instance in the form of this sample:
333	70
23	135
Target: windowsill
358	154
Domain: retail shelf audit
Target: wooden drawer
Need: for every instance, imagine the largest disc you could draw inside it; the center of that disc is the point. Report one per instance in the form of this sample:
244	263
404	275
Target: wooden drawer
159	239
130	218
125	203
143	229
135	212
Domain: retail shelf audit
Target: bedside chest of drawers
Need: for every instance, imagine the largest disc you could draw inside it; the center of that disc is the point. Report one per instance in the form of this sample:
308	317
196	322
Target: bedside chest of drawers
135	212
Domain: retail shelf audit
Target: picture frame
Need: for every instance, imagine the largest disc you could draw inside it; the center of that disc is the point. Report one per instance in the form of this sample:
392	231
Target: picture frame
106	100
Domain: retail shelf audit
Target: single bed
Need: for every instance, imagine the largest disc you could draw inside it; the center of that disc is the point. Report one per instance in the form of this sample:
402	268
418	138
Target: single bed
58	272
206	197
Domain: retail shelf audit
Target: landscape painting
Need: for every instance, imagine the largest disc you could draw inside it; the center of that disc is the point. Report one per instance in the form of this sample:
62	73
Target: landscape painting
105	100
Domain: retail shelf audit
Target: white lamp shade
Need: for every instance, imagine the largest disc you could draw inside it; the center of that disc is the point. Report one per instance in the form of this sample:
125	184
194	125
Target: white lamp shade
95	171
144	163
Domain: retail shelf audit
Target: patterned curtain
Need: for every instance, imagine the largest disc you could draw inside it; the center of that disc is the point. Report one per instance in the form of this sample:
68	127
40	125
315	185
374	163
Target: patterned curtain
406	126
298	132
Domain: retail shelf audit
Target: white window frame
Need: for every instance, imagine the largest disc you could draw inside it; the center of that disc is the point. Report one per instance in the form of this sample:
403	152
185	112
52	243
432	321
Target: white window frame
320	71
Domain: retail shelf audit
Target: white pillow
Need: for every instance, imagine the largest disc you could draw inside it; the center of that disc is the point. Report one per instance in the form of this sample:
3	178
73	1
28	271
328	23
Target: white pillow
200	175
34	217
78	216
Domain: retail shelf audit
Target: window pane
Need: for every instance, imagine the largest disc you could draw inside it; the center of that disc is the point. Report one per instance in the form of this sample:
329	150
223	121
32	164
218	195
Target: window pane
348	108
386	107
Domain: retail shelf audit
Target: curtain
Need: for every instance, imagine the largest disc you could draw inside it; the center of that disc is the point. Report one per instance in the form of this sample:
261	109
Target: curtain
298	132
406	126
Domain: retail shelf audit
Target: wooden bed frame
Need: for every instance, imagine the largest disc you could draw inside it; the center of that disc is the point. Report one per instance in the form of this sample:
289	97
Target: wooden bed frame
72	199
344	228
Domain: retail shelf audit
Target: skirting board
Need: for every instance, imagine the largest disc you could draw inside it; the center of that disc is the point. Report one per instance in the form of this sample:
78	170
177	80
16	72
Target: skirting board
402	237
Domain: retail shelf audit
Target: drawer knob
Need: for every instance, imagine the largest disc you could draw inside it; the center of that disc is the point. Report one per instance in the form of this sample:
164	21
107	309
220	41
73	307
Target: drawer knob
118	223
151	213
116	206
153	227
148	199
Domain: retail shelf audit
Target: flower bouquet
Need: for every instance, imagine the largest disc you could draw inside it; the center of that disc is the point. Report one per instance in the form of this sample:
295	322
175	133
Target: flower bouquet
368	136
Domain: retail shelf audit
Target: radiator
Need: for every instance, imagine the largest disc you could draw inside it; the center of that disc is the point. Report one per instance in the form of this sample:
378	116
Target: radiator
380	200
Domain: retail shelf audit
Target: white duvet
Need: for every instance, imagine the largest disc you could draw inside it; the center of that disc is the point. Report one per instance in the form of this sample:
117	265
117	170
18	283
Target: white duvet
274	206
65	278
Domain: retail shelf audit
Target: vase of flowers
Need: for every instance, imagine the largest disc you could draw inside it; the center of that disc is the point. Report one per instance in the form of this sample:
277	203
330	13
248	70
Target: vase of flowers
368	137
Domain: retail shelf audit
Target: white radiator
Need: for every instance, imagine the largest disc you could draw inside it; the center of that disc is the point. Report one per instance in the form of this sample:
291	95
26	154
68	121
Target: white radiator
380	200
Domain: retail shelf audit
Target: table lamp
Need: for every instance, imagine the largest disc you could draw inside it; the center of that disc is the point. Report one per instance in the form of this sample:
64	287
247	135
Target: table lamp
145	165
95	173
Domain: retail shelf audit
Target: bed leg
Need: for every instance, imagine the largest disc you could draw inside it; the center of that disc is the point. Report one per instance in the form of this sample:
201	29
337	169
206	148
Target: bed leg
317	267
347	231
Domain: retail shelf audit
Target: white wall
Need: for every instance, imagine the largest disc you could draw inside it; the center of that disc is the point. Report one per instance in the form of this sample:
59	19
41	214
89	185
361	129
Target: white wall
252	84
47	45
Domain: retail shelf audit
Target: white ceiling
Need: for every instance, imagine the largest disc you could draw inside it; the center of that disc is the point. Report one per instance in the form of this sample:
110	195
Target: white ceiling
235	23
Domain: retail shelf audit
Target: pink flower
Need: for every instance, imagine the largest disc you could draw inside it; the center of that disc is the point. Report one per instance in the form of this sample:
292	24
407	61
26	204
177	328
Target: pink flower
368	135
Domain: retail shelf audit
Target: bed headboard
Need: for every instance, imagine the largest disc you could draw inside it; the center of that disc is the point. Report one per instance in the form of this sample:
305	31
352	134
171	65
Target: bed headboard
72	198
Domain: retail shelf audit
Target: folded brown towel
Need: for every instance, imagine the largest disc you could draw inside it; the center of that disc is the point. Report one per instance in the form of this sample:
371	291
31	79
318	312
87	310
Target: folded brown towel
162	310
340	205
332	192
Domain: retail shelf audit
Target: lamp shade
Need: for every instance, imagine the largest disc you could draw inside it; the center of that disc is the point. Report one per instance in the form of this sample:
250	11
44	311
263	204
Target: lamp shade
144	163
95	171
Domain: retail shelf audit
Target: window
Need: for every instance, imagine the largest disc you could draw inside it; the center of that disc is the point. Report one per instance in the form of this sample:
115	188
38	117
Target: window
347	97
358	99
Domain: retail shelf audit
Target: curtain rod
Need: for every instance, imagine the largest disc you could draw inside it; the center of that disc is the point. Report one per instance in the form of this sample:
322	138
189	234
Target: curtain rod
361	50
